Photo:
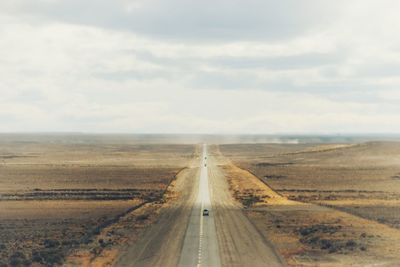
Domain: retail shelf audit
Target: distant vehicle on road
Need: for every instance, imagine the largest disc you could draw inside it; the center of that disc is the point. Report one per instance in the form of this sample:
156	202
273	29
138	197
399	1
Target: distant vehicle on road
205	165
206	212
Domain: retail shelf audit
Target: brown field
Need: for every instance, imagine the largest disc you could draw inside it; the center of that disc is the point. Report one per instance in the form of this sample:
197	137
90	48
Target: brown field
325	204
108	201
79	199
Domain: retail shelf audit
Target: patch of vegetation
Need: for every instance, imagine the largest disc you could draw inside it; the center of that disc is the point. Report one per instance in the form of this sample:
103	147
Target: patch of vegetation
268	177
49	243
142	217
273	164
321	237
19	259
305	231
397	176
83	194
249	197
250	200
48	257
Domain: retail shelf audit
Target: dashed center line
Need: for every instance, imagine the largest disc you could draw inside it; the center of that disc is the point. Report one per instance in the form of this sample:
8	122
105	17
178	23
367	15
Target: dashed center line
201	229
200	248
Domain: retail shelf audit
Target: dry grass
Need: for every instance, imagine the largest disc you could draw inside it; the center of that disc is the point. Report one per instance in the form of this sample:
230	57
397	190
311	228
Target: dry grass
56	198
329	176
342	202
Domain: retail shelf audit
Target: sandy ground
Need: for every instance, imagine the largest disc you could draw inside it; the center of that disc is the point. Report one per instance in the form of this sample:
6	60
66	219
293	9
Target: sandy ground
80	199
299	205
306	234
240	242
161	243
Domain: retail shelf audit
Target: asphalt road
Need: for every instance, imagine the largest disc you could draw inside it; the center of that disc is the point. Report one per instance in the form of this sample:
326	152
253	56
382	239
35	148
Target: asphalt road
200	246
183	237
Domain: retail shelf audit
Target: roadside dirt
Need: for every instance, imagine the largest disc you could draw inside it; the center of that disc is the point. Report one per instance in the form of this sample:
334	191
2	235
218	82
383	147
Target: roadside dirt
82	200
240	243
160	244
306	234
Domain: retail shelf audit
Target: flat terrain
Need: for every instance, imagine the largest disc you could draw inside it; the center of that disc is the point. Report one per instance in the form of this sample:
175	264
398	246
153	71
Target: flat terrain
174	241
59	199
335	204
113	202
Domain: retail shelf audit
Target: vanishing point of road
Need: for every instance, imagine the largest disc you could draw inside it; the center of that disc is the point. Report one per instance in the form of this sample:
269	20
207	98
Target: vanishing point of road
200	246
183	237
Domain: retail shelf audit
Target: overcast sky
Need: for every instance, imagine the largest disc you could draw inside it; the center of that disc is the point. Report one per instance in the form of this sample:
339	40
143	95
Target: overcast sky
188	66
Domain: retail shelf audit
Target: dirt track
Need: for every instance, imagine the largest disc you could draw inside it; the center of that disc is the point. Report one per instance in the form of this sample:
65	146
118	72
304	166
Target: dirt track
165	238
240	242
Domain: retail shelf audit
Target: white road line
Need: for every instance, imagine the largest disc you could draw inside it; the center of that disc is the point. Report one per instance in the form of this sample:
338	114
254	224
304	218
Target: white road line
204	163
200	247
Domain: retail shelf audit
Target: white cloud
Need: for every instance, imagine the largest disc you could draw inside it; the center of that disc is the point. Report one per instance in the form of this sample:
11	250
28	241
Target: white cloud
221	68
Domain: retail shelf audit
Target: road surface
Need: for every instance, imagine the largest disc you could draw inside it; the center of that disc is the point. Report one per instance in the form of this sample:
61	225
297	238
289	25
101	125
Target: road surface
182	237
200	246
240	243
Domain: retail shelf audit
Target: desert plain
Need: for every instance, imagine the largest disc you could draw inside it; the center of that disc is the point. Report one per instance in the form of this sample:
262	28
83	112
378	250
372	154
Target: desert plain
101	201
66	202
